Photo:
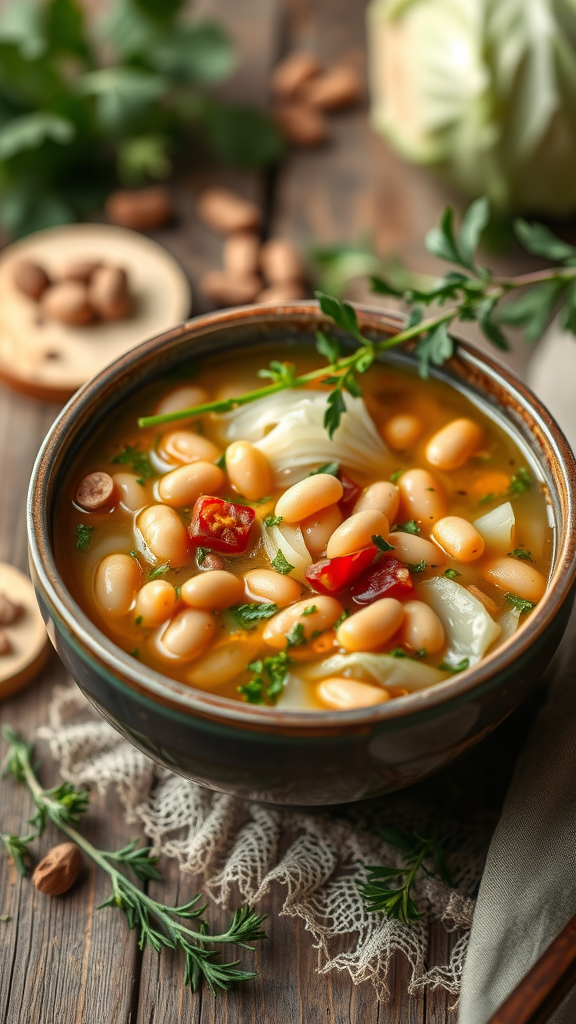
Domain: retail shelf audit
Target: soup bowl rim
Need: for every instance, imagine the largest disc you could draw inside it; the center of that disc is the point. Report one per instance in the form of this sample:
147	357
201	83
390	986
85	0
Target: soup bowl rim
125	670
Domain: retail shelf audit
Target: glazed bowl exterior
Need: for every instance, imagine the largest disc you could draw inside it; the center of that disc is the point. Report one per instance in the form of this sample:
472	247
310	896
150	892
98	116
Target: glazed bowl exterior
297	757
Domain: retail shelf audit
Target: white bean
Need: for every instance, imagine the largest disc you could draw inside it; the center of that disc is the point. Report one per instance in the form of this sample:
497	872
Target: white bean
371	627
224	661
309	496
412	550
182	398
181	487
164	534
422	495
340	694
269	586
213	591
132	493
156	602
518	578
182	446
421	629
402	431
318	528
356	533
117	580
325	612
249	470
458	538
189	633
382	496
452	446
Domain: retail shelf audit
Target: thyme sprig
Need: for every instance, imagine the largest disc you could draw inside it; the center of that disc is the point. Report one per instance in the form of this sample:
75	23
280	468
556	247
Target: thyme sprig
389	889
470	292
156	924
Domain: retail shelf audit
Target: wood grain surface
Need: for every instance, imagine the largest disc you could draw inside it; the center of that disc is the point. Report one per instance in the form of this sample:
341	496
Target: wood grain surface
62	961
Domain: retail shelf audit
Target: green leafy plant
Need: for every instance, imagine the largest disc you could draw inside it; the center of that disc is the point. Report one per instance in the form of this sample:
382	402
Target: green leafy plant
157	925
270	676
470	292
389	889
247	615
72	128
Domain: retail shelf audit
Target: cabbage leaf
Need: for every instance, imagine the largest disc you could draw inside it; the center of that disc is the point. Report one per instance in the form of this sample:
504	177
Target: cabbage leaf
381	668
469	629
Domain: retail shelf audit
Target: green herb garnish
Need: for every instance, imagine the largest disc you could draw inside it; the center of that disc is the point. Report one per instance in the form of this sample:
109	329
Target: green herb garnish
156	574
381	544
396	476
309	611
156	924
520	482
272	520
281	564
269	679
201	554
249	614
389	889
410	527
452	574
221	461
136	459
345	615
331	468
520	603
296	637
525	556
418	566
460	667
398	652
138	620
83	536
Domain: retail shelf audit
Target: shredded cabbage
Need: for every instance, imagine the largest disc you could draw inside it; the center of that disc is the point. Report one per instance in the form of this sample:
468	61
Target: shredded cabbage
290	541
381	668
288	428
497	529
509	623
469	629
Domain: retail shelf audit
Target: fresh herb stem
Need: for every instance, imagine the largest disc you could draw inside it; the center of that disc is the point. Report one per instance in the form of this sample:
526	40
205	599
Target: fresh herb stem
396	900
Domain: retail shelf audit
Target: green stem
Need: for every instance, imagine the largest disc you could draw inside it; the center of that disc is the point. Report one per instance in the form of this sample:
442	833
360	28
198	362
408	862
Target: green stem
119	880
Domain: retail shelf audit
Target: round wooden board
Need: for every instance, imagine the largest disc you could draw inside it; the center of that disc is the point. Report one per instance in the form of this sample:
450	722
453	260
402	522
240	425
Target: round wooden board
51	360
27	635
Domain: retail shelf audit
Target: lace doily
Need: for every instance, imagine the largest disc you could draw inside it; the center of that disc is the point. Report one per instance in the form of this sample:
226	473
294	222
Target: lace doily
319	858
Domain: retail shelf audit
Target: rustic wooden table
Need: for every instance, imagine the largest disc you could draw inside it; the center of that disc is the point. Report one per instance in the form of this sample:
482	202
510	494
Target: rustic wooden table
60	959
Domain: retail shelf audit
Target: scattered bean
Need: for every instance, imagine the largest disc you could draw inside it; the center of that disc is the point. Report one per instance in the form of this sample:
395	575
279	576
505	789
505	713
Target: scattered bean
156	602
79	270
67	302
30	278
421	630
372	626
318	528
301	124
117	580
356	533
248	469
10	610
108	293
141	210
184	446
327	610
308	496
422	495
381	496
340	694
164	534
402	431
213	591
181	487
453	445
269	586
189	634
519	578
338	87
280	261
458	538
293	71
226	211
96	491
241	253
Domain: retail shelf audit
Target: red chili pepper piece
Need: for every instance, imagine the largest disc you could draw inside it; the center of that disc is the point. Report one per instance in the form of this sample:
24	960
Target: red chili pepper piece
388	578
220	525
352	492
332	575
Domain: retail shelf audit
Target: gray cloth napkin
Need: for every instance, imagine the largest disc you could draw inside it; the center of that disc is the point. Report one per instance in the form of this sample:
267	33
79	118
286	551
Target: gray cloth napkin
528	889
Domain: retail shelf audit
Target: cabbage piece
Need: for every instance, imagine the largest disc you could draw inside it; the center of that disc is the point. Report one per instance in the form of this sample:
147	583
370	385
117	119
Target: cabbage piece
509	623
380	668
288	428
497	529
469	629
484	91
290	541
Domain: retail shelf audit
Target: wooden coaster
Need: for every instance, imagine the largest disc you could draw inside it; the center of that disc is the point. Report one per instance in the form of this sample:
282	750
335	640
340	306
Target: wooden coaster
51	360
27	635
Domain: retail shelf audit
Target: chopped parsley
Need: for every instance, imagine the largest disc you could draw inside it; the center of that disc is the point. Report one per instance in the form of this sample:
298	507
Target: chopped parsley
398	652
382	544
135	653
268	681
155	574
281	564
396	476
520	482
487	498
418	566
249	614
331	468
138	620
177	589
296	637
138	460
410	527
221	462
422	653
272	520
452	574
201	554
345	615
460	667
262	501
520	603
83	535
525	556
310	610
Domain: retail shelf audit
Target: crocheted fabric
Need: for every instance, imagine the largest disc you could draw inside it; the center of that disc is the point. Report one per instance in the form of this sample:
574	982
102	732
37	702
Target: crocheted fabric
319	858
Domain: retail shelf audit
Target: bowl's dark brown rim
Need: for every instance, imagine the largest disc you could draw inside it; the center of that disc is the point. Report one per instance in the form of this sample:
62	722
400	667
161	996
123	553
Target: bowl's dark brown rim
209	705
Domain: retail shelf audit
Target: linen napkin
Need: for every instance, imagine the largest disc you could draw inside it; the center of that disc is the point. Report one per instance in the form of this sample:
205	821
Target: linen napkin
528	888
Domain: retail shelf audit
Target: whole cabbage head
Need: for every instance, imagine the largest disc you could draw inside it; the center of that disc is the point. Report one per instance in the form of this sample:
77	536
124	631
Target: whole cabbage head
483	91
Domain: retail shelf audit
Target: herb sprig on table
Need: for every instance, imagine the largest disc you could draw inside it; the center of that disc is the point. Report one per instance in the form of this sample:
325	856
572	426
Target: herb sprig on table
468	291
156	924
389	889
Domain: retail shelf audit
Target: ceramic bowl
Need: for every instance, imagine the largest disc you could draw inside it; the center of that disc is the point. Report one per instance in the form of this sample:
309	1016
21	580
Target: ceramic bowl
297	757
